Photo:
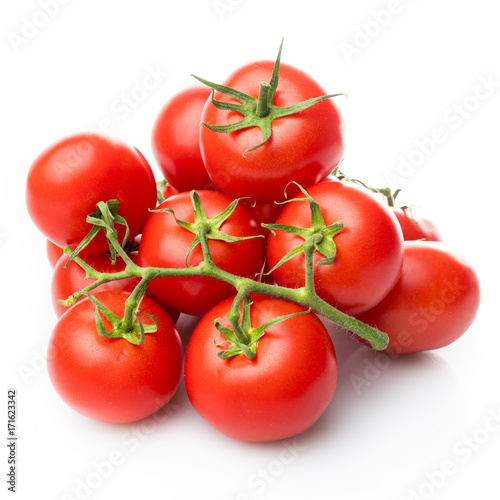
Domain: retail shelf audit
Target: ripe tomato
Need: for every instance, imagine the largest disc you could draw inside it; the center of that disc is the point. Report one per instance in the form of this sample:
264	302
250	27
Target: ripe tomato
164	243
175	140
369	248
304	147
66	280
279	393
68	179
54	253
416	229
110	379
434	302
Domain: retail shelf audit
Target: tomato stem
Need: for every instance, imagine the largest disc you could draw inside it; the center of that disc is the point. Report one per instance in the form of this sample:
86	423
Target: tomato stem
315	239
262	108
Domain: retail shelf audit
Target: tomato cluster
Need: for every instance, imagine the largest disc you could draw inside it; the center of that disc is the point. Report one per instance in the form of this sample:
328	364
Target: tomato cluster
252	234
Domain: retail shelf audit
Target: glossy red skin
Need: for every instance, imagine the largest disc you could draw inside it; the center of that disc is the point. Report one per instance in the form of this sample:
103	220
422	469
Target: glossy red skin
67	179
66	280
175	140
112	380
304	147
165	244
278	394
264	213
54	253
421	229
434	302
369	249
168	191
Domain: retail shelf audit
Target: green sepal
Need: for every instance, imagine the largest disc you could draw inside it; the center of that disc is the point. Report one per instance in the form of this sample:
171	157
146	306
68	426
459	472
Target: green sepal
134	336
104	218
210	226
237	348
318	235
249	349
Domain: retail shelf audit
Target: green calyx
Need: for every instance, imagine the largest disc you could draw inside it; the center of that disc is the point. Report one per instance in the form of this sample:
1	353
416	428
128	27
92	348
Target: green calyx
318	236
242	338
133	332
103	219
210	227
258	112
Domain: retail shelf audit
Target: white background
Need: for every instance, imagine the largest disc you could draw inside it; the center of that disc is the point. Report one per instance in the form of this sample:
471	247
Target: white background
409	68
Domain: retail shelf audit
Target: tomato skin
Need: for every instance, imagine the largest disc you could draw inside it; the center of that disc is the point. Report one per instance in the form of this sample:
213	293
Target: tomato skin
54	253
421	229
434	302
278	394
68	179
165	244
112	380
175	140
304	147
369	248
66	280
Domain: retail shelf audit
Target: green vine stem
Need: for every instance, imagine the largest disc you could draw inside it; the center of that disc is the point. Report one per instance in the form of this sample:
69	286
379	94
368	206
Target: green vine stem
304	296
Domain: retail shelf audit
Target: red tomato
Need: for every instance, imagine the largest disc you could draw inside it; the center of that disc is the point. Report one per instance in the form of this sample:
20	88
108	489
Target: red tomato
168	191
279	393
175	140
68	179
113	380
54	252
165	244
369	248
304	147
434	302
413	229
66	280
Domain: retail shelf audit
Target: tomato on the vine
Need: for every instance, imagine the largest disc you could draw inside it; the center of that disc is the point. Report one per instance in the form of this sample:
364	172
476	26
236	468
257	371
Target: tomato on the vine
304	147
279	393
175	140
433	303
369	248
165	243
111	379
68	179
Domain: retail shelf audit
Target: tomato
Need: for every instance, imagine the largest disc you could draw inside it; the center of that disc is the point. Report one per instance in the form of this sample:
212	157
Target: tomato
416	229
68	179
279	393
54	253
369	248
71	278
304	147
164	243
267	213
168	191
110	379
434	302
175	140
